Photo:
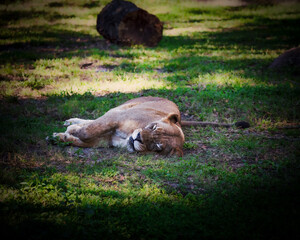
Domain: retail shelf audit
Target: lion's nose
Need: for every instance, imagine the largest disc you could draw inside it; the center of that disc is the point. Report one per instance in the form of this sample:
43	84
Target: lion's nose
131	141
138	137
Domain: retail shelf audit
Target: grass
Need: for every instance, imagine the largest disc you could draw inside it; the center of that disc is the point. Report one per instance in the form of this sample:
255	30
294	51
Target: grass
212	62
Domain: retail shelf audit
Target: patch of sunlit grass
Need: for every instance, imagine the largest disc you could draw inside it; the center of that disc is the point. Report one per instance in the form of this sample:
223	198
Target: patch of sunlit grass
71	22
79	12
186	30
125	84
225	79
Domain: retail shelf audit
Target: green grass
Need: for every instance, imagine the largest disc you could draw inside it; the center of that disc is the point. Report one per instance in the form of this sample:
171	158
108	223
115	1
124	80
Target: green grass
212	62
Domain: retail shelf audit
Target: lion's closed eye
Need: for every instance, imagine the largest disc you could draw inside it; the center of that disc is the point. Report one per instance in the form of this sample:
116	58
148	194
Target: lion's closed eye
152	126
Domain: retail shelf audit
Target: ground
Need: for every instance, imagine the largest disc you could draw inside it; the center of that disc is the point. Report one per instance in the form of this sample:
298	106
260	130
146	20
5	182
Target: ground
212	62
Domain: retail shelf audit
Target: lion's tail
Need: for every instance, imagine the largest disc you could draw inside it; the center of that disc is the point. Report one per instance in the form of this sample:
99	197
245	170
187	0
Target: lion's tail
240	124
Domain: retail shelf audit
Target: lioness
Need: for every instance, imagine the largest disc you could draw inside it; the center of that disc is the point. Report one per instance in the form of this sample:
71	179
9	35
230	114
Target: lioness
145	124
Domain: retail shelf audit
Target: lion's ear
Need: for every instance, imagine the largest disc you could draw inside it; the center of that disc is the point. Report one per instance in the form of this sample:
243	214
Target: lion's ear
178	151
173	117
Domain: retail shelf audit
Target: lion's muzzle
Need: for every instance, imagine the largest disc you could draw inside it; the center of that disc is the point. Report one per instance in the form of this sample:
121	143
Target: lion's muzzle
135	142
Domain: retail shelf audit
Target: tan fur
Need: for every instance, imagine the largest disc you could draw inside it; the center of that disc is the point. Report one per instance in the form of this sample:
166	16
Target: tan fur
146	124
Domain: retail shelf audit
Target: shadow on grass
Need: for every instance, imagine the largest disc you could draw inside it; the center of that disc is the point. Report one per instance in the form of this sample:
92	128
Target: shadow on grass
264	209
260	34
30	43
46	43
6	16
200	70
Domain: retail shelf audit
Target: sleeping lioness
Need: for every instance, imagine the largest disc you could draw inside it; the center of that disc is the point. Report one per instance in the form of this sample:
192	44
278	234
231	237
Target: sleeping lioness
145	124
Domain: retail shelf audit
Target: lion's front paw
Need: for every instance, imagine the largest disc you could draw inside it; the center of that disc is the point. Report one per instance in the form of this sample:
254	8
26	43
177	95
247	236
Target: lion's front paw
71	121
67	123
54	139
61	139
55	135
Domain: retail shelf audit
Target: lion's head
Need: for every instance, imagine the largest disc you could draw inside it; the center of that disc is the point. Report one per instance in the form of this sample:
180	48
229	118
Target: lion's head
164	136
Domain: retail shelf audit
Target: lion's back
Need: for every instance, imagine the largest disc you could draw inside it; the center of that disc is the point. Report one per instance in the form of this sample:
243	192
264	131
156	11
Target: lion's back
159	104
139	112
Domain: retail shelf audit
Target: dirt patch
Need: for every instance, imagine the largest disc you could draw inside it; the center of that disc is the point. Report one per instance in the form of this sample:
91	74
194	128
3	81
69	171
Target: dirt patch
98	67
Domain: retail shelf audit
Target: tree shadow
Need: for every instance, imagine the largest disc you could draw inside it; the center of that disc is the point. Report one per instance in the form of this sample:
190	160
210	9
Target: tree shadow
232	208
243	209
203	70
261	34
189	70
50	43
7	16
28	43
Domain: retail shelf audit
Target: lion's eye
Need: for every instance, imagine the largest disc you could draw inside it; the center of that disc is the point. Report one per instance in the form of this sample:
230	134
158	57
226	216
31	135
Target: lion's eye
152	126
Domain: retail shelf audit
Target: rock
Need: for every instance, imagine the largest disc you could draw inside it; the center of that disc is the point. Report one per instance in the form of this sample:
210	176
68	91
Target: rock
122	22
289	59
